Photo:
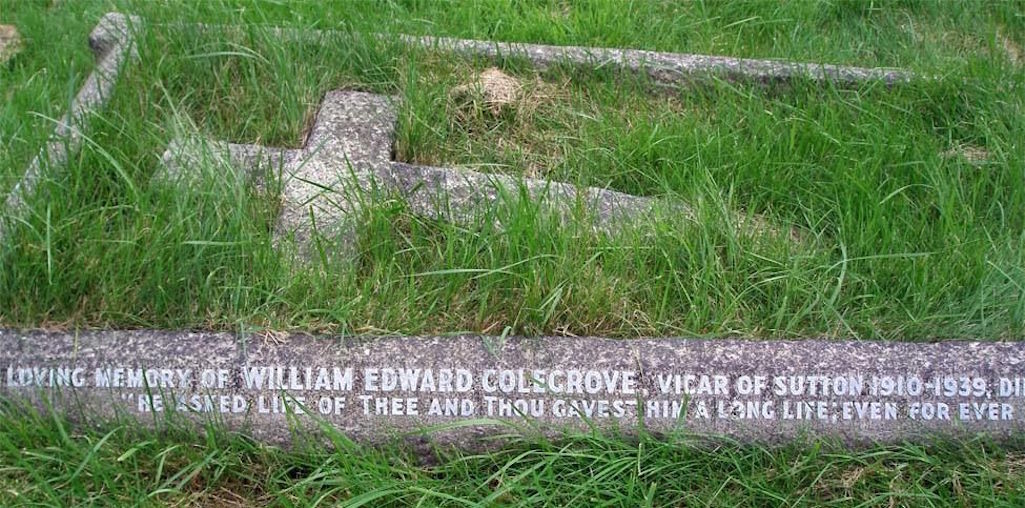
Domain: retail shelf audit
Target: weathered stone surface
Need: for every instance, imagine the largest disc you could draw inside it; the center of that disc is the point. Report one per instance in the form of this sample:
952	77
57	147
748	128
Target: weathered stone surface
349	145
112	42
372	388
459	195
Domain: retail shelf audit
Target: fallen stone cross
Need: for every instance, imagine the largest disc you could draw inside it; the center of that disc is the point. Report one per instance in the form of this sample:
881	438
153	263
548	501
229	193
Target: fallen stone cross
113	43
349	151
461	390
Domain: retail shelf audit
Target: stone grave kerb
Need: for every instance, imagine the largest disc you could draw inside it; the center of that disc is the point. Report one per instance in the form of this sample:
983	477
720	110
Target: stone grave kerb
112	42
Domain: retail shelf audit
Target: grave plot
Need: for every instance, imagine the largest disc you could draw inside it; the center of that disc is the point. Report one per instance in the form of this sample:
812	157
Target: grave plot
886	333
349	149
401	147
870	174
350	143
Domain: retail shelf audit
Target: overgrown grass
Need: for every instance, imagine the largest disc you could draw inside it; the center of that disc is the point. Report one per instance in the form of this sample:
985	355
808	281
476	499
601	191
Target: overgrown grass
907	201
43	461
903	237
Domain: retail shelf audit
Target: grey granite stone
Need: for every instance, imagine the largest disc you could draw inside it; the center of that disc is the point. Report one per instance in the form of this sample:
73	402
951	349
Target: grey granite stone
350	142
113	43
467	388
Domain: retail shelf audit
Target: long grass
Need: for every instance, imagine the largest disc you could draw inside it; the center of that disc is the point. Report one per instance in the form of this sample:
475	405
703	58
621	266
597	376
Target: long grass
907	232
44	461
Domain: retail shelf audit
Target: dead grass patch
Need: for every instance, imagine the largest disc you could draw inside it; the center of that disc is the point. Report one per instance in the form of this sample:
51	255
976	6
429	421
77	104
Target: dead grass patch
10	42
491	90
974	155
1013	51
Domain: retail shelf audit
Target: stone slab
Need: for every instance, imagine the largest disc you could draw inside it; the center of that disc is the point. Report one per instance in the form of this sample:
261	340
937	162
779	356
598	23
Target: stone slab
471	388
461	195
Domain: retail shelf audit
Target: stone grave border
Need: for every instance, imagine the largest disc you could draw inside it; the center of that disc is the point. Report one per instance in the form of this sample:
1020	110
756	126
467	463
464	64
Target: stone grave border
667	68
981	384
468	390
113	44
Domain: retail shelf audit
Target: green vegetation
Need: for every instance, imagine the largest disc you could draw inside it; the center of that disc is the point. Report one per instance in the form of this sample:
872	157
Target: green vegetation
906	201
44	462
904	198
